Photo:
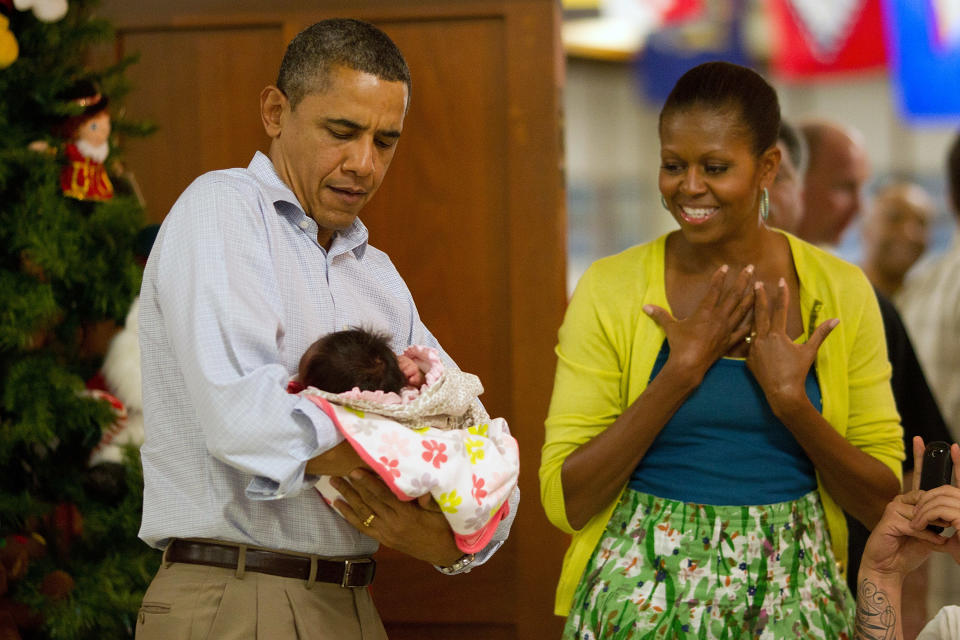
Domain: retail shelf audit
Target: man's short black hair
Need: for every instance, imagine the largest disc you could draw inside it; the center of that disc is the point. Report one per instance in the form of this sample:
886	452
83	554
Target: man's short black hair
350	43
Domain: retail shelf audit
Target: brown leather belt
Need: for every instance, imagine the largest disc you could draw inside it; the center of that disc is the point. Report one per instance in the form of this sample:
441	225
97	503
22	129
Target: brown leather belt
347	573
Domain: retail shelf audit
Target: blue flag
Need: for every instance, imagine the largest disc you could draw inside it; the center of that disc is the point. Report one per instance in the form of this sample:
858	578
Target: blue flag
923	38
670	52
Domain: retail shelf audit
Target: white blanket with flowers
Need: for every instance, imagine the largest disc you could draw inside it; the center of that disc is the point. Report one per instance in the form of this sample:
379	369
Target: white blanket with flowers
436	439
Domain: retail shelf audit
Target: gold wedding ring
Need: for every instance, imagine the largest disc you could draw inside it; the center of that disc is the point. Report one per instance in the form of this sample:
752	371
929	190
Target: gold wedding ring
750	338
369	520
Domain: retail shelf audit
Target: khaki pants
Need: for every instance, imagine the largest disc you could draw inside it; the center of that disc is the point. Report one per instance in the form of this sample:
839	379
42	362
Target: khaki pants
197	602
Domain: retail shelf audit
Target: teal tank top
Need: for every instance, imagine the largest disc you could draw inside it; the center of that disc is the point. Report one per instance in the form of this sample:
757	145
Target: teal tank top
724	445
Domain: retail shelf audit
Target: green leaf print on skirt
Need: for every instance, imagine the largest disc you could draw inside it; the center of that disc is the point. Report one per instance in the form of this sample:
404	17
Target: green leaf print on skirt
669	569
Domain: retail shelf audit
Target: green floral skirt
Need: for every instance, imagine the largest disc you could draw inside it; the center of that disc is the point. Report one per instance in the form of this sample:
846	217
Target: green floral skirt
668	569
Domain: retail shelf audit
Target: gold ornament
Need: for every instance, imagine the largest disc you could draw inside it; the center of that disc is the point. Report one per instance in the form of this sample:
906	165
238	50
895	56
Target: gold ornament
9	49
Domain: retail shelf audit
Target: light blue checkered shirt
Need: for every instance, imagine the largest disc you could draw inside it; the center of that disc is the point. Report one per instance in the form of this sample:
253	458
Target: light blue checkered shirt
235	290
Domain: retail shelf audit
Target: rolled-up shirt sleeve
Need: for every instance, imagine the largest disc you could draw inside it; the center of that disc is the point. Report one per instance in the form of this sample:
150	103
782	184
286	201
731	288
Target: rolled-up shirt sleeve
219	294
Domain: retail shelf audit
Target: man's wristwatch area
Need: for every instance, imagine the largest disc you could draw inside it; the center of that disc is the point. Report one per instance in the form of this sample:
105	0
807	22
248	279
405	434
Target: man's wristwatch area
458	566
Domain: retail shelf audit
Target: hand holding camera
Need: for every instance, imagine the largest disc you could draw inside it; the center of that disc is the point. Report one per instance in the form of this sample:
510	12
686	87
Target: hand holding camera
936	470
938	507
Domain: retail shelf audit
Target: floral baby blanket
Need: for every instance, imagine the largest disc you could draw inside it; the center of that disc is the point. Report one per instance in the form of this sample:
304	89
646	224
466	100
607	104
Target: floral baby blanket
438	440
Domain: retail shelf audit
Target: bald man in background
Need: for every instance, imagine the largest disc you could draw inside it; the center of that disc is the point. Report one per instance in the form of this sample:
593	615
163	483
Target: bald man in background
895	233
837	170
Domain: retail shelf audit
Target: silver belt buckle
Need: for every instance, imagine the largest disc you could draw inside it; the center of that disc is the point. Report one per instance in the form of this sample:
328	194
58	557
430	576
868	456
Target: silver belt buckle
348	571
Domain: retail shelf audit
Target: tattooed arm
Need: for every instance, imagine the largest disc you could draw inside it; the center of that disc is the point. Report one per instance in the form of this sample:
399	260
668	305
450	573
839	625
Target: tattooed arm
878	610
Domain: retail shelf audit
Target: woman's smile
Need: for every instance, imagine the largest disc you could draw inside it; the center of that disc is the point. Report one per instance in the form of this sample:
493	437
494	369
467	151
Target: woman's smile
698	215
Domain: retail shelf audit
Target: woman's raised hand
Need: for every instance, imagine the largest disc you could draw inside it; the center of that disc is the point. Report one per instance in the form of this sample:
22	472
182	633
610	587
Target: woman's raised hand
721	320
778	364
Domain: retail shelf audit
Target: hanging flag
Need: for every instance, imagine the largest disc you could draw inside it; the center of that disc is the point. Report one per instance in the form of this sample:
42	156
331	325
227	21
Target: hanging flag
660	12
680	10
946	15
817	37
924	42
671	52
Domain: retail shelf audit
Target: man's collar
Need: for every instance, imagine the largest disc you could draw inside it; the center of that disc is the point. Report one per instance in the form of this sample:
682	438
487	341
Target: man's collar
263	170
354	238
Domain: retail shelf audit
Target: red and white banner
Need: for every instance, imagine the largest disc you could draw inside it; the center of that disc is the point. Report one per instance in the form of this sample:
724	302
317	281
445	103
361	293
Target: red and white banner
658	12
946	17
680	10
816	37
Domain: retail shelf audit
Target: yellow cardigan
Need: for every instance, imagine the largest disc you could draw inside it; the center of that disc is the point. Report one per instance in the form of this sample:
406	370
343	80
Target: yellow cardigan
606	351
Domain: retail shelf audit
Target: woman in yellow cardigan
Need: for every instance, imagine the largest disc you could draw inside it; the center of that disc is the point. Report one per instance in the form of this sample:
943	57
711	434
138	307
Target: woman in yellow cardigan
722	394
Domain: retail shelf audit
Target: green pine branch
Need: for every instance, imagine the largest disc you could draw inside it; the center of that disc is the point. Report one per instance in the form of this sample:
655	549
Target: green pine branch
66	266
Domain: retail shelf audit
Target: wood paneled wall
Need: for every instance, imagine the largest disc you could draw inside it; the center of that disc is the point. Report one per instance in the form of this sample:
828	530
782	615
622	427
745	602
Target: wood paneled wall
471	211
201	86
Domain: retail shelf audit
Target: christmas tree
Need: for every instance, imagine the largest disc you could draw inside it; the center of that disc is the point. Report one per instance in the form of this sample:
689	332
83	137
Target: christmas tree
71	565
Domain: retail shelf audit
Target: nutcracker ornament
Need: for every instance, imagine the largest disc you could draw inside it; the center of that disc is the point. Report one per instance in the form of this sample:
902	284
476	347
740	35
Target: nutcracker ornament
88	142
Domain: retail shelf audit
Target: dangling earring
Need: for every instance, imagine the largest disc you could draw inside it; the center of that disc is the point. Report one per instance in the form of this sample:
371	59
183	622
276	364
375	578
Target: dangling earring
764	204
663	202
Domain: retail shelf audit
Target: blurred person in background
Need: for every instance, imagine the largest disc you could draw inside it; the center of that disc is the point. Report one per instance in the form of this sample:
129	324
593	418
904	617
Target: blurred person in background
895	232
786	193
835	202
930	303
837	171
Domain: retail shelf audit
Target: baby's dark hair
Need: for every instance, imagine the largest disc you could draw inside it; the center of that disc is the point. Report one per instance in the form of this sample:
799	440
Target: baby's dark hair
342	360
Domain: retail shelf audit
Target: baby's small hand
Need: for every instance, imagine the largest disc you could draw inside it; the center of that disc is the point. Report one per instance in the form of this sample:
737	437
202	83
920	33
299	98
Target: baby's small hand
415	377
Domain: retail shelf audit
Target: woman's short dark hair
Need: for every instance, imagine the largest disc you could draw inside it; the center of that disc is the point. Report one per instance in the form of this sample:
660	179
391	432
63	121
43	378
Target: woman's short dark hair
723	86
350	43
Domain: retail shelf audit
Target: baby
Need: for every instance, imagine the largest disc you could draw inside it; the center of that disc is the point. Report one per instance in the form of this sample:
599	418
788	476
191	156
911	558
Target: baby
342	360
418	425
